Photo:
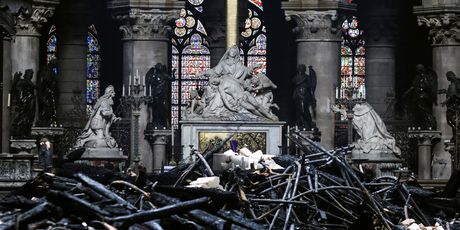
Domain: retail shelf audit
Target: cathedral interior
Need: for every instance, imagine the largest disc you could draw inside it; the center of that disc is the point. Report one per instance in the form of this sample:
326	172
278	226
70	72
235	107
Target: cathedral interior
229	114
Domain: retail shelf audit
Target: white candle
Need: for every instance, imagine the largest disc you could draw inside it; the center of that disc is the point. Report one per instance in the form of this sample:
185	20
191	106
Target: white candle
123	91
150	90
129	79
129	90
145	92
9	100
144	80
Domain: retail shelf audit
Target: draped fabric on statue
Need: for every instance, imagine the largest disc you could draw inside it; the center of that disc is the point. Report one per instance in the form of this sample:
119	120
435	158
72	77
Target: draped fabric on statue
372	130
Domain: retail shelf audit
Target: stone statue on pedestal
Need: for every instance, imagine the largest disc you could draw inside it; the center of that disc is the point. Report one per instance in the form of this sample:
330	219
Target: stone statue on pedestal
452	101
304	96
423	95
373	133
23	103
96	132
233	94
158	80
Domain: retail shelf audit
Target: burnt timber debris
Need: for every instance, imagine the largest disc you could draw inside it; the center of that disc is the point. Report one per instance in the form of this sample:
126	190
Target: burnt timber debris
318	189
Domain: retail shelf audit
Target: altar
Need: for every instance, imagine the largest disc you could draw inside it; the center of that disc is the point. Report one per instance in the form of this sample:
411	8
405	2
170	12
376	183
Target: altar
265	135
237	101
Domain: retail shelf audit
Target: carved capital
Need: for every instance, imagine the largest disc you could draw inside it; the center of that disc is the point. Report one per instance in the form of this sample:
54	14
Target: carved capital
138	24
30	21
313	25
424	137
444	28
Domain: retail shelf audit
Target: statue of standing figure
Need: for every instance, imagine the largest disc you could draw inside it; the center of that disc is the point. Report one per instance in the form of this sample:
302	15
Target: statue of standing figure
158	80
304	96
423	94
96	133
452	102
23	103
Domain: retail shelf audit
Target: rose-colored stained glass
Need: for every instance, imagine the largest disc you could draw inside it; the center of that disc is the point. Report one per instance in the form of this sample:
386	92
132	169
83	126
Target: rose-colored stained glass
190	57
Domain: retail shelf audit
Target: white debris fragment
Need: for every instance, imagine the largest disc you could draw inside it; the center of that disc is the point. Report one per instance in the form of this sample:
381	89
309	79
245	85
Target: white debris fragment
245	152
206	182
412	225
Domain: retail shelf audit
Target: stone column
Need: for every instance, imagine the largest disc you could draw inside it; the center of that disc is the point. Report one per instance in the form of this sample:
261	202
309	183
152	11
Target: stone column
318	44
158	140
380	25
72	49
146	40
214	19
444	31
425	140
26	44
6	126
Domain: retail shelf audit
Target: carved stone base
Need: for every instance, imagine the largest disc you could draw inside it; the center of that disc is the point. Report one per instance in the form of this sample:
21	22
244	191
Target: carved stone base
383	163
15	170
24	146
107	154
103	157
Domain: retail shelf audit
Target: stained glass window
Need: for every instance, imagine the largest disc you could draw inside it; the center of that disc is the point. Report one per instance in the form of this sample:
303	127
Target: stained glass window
51	48
190	56
352	81
253	45
93	62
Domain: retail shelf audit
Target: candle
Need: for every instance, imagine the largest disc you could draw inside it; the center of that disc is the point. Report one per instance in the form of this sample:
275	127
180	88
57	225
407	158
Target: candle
9	100
150	90
145	92
144	80
123	91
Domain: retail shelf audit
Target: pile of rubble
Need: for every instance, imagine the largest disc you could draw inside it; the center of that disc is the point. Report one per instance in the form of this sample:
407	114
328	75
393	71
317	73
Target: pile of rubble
318	189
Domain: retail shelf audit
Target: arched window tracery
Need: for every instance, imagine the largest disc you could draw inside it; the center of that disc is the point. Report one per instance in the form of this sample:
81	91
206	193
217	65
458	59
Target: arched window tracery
93	64
189	56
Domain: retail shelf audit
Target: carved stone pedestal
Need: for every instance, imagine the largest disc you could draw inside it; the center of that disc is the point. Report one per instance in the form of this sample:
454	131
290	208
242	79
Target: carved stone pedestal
49	132
15	170
425	140
24	146
103	156
382	162
158	139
